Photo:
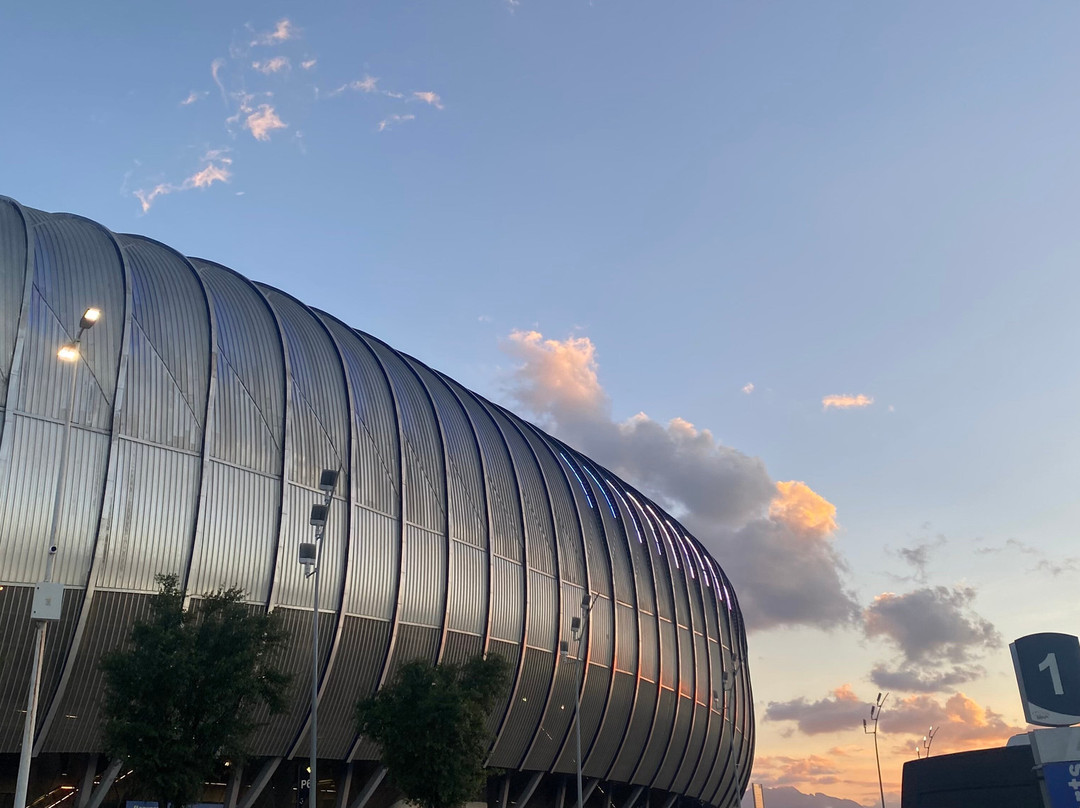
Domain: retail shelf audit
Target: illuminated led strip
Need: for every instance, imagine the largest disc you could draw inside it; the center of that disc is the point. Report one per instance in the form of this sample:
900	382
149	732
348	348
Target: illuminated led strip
629	510
663	529
602	491
682	543
580	481
656	541
701	563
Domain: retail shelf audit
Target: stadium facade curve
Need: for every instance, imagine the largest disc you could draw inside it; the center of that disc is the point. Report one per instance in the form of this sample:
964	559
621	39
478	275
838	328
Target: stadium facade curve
205	406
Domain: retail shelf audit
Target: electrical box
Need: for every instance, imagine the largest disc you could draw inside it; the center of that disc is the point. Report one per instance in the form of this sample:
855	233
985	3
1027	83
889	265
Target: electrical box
48	599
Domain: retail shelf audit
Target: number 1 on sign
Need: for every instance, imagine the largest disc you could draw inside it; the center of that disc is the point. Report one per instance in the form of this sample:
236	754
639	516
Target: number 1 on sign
1055	676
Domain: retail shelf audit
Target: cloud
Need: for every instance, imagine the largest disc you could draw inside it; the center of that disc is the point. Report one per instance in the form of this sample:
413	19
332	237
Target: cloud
961	722
393	120
216	169
429	98
931	626
215	71
917	679
844	401
791	797
275	65
283	31
263	121
918	557
193	96
774	541
841	710
307	64
748	388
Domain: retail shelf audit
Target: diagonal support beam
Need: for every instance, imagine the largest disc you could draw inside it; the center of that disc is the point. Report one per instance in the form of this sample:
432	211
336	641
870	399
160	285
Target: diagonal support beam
87	784
261	779
369	788
232	787
670	800
344	785
588	789
97	796
633	798
529	790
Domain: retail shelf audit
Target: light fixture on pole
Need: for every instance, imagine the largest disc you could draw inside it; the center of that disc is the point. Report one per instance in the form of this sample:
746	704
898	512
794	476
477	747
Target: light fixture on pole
875	713
578	627
927	742
727	682
309	555
49	595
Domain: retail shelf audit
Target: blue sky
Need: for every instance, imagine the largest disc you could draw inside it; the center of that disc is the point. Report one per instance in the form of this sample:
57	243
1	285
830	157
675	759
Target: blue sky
815	198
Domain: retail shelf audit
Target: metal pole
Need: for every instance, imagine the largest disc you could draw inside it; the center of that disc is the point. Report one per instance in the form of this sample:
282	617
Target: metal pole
22	782
577	720
313	783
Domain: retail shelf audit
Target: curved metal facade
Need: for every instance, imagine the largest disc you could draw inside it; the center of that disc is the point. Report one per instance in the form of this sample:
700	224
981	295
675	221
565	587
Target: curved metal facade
204	408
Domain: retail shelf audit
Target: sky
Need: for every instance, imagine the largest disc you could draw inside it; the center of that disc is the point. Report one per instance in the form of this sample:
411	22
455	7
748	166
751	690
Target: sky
805	272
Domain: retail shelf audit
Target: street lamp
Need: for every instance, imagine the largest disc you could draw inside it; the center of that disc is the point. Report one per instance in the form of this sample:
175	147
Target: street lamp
875	713
309	559
727	683
49	595
927	741
578	627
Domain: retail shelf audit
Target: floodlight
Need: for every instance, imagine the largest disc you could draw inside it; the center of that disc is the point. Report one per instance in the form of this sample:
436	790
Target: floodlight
68	353
318	516
308	553
575	624
328	480
90	316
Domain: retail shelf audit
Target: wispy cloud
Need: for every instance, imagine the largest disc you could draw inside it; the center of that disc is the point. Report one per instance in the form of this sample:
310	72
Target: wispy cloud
748	388
394	120
193	96
844	401
215	169
307	64
283	31
215	71
275	65
429	98
263	121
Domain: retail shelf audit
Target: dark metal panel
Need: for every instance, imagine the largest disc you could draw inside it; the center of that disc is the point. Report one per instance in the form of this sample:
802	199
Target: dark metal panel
615	724
658	740
354	676
543	611
250	373
539	527
152	520
460	647
676	745
637	734
467	607
169	373
424	473
710	750
111	617
593	699
414	642
16	642
509	747
525	712
239	531
423	590
687	765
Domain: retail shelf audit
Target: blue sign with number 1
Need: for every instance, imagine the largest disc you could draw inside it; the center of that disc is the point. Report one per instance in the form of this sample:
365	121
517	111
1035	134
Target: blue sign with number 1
1048	672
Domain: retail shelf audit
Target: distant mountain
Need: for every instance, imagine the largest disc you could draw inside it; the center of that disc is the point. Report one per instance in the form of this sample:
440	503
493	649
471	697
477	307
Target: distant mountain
788	797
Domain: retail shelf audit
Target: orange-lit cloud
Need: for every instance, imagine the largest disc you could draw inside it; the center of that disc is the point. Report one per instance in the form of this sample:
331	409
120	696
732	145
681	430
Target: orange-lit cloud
275	65
263	121
556	374
215	170
429	98
843	401
801	508
283	31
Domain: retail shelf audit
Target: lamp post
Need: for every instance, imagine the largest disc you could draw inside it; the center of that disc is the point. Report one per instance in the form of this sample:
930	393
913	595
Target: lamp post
727	682
927	742
310	553
578	627
49	596
875	713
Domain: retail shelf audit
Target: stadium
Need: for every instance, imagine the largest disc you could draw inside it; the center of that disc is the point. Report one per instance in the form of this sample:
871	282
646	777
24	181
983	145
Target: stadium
188	436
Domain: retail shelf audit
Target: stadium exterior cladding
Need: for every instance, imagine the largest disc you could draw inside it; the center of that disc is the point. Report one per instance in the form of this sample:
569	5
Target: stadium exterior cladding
205	406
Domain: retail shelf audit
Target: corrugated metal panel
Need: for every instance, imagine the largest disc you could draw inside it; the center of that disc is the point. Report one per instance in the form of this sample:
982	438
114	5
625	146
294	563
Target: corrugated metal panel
593	699
637	734
710	748
26	507
291	587
506	754
504	504
650	646
615	534
250	405
425	478
467	608
541	612
375	432
238	543
523	724
467	509
658	741
536	508
376	548
423	562
676	746
686	663
669	659
567	524
593	508
355	676
14	249
169	371
616	722
153	517
112	615
414	642
626	645
601	632
461	647
688	763
508	593
76	265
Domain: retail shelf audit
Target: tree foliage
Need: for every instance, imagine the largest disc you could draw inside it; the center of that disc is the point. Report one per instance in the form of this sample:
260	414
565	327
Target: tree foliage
431	724
179	698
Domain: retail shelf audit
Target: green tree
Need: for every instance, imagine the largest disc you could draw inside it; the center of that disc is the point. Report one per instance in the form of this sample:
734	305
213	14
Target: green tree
179	698
431	725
